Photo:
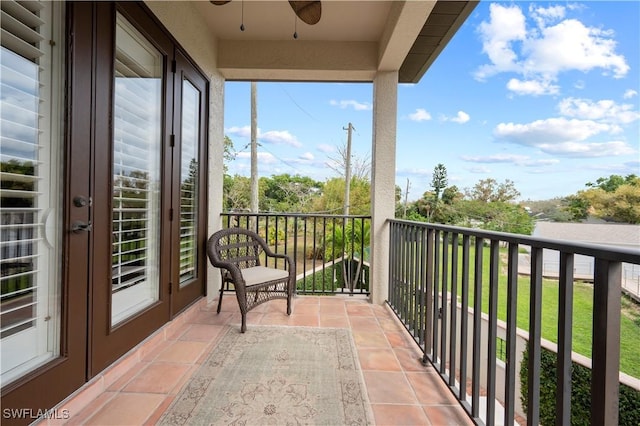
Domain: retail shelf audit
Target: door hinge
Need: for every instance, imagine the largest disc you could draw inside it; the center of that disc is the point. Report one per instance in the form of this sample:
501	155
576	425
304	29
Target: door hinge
172	140
170	288
170	215
173	66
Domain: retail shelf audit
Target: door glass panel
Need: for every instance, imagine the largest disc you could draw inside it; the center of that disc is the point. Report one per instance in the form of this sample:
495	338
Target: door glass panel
189	182
30	204
136	173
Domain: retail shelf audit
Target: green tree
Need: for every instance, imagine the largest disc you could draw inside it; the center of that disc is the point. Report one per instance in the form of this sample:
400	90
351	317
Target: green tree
332	198
489	190
286	193
615	198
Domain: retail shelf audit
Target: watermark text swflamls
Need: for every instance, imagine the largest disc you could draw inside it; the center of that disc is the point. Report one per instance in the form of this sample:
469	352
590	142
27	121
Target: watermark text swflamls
35	414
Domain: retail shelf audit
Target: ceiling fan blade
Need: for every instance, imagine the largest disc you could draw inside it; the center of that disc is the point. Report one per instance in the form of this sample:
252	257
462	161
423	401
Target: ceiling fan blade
308	11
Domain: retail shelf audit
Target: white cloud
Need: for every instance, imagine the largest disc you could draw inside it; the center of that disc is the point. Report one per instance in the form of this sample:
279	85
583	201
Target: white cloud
551	44
327	149
358	106
605	110
461	118
570	45
480	170
519	160
420	115
307	156
243	132
263	157
630	93
497	158
277	137
506	26
544	16
551	130
532	87
588	150
566	137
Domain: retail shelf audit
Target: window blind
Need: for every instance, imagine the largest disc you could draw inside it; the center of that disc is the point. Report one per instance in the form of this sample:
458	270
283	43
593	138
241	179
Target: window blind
135	160
189	181
20	147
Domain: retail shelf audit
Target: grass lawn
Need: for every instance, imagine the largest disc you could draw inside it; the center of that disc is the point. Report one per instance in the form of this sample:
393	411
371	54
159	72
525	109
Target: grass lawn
582	313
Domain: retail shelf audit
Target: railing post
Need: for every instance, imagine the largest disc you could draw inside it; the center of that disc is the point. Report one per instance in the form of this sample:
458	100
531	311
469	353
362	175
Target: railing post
535	320
428	291
606	342
565	318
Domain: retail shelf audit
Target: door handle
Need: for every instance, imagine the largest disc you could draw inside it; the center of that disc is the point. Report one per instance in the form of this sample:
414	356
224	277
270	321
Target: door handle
80	226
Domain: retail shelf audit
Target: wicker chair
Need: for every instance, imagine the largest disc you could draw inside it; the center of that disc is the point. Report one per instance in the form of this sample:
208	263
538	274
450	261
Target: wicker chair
237	252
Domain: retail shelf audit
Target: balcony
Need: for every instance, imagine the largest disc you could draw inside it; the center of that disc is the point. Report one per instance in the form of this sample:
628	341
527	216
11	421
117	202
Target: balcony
444	283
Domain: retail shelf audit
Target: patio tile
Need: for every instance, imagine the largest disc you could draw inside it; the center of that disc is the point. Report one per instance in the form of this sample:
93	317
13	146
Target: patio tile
306	309
358	309
202	332
334	321
370	339
159	377
378	359
402	390
182	352
276	318
333	309
388	387
304	320
127	409
364	323
392	414
429	389
410	360
447	415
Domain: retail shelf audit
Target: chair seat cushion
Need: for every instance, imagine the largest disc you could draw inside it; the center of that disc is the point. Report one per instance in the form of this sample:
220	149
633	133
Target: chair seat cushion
262	274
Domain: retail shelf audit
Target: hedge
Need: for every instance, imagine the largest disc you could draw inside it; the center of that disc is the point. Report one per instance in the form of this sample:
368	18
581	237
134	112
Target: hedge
629	404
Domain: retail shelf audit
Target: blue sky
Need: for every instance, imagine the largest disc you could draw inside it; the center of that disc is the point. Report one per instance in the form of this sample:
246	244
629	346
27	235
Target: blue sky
545	94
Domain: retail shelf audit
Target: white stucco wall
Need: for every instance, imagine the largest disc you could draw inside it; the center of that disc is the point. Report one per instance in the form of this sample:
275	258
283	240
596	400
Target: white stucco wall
383	179
191	32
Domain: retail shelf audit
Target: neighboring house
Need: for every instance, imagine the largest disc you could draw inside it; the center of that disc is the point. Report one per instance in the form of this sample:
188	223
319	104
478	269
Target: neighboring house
112	157
608	234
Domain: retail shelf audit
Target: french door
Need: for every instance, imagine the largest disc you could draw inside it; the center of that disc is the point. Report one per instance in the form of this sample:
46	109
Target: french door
103	197
149	222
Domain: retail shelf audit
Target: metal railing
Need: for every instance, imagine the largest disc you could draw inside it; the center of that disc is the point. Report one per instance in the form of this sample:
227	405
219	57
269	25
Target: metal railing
437	277
331	252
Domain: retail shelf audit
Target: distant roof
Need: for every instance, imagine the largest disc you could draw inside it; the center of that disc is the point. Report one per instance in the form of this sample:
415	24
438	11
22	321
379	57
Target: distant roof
596	233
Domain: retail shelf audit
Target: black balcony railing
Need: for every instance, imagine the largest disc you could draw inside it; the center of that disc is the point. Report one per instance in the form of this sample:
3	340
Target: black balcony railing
438	278
331	252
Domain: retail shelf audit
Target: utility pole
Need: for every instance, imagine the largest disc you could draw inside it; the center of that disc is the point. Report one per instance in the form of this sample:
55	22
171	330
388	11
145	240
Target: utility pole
254	149
347	174
406	195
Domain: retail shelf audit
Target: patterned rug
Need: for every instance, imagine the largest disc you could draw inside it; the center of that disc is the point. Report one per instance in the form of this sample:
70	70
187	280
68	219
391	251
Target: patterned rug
276	376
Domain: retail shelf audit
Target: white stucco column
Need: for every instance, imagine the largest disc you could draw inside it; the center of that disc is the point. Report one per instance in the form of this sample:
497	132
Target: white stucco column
383	173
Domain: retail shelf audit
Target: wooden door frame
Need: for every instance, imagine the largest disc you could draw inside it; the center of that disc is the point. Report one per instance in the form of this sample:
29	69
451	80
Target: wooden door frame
181	298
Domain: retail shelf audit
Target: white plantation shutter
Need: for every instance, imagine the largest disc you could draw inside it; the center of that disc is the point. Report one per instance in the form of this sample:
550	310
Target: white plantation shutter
136	172
21	144
21	27
189	181
30	155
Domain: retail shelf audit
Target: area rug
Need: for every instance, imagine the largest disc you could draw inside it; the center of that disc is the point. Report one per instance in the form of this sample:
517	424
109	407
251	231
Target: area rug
276	376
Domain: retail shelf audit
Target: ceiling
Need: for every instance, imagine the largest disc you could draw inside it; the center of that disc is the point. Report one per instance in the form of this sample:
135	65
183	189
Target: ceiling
352	41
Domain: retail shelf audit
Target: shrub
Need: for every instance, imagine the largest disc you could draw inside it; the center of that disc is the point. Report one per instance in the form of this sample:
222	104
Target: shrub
629	405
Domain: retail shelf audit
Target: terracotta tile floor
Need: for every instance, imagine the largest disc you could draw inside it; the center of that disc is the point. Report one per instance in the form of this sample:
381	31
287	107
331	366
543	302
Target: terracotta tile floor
139	388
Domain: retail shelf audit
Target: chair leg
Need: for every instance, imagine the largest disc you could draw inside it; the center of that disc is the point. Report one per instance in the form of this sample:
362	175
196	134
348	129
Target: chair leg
220	298
243	327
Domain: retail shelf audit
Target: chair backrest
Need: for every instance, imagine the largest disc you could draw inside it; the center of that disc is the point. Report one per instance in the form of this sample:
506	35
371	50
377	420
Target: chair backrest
239	246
